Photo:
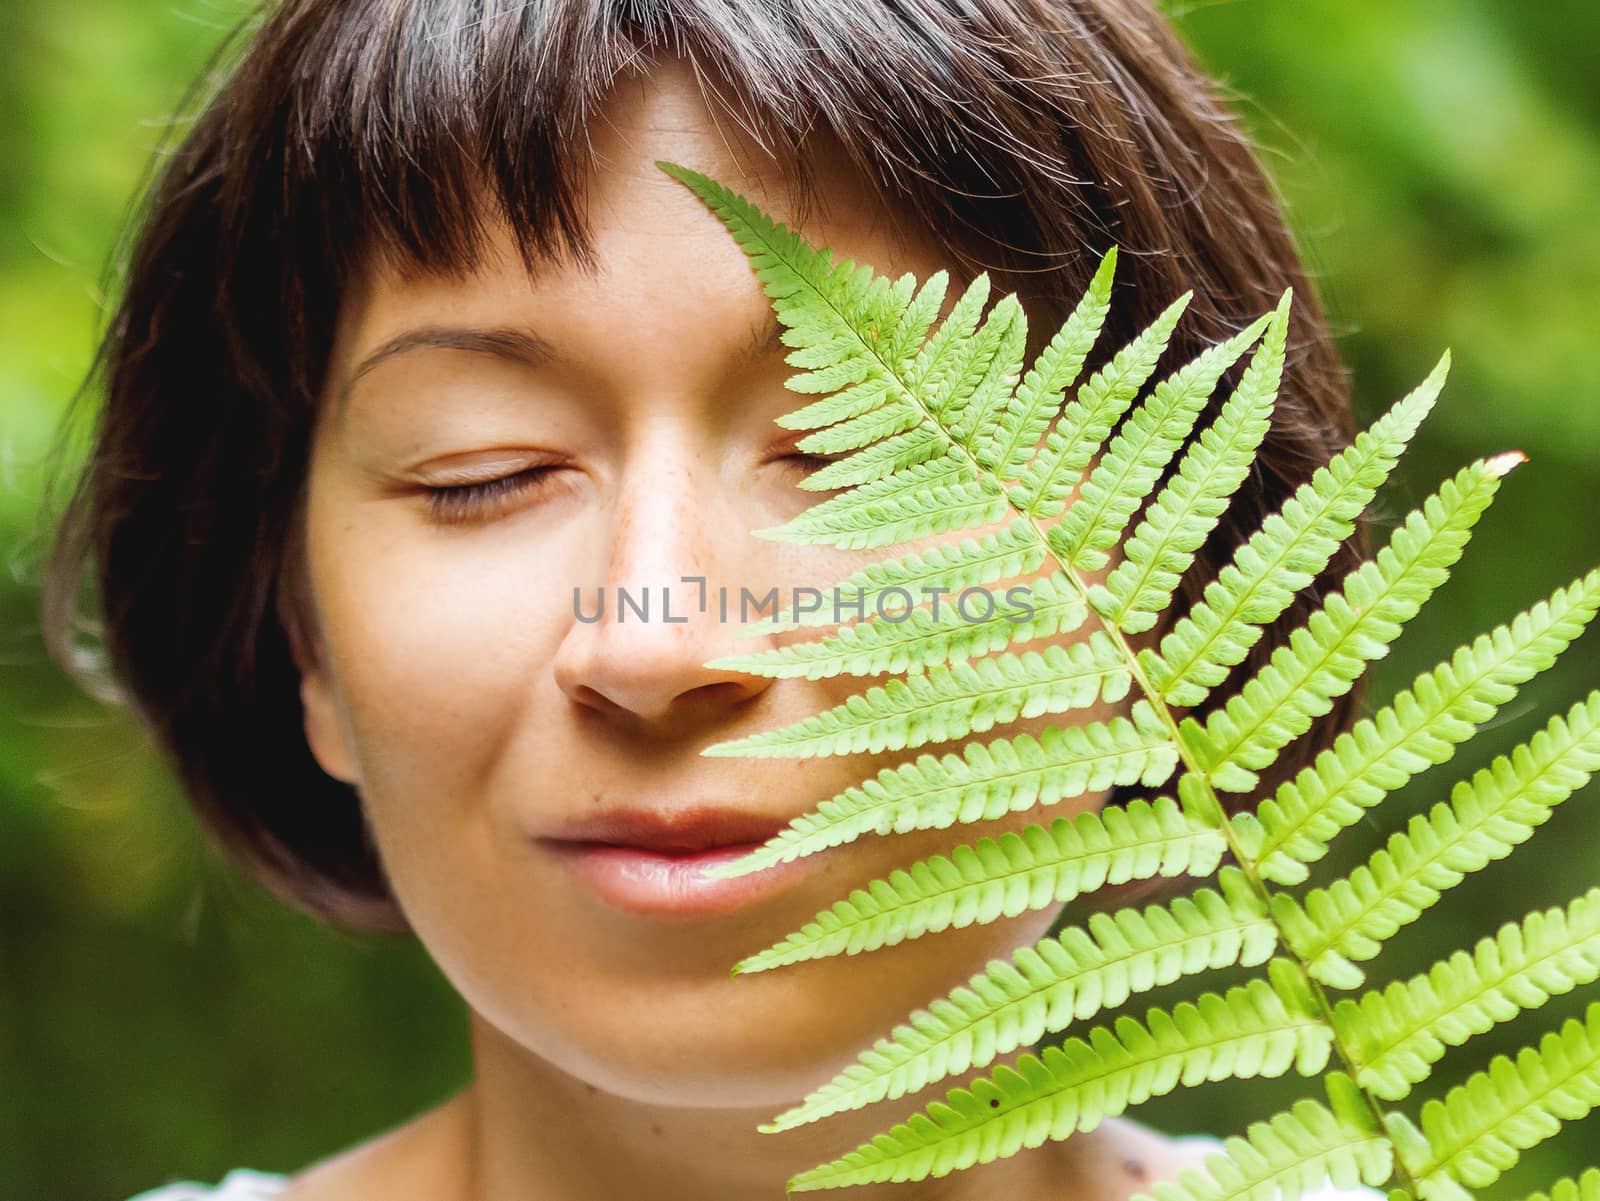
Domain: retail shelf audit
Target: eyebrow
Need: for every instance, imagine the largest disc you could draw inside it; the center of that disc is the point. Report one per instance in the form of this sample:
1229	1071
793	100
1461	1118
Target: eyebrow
521	346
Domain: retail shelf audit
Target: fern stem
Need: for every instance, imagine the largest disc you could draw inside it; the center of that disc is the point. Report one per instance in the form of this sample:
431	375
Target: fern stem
1247	865
1352	1067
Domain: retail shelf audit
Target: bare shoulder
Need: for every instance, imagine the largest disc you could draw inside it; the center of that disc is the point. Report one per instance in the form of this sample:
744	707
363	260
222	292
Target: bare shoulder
1126	1157
403	1162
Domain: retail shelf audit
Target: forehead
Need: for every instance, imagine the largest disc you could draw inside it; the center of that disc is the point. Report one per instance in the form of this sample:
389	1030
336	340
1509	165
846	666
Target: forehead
657	249
667	114
668	110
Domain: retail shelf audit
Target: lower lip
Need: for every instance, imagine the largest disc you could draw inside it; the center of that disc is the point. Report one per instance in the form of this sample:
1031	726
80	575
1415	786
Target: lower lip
668	885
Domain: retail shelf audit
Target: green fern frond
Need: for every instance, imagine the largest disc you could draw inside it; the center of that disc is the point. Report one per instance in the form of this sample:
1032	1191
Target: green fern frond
1399	1033
913	311
1325	657
1478	1130
935	435
920	637
1419	729
972	362
944	354
1047	987
1055	469
936	509
1299	1151
1025	420
1284	555
978	406
838	341
1187	509
948	702
869	427
1584	1188
841	516
879	460
1014	550
1484	820
1007	876
1139	454
988	781
1251	1031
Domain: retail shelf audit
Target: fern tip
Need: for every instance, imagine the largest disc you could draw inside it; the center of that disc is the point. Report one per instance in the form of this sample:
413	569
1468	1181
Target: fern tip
679	172
732	869
1504	463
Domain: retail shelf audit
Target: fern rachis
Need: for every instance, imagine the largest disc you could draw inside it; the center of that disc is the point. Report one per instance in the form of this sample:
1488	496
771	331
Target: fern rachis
935	434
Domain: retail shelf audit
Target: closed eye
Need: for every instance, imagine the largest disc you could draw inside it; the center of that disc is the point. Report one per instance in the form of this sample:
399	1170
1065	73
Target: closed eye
454	504
810	463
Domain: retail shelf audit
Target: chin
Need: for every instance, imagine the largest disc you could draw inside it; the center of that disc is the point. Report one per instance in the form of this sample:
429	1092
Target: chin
698	1052
699	1070
764	1040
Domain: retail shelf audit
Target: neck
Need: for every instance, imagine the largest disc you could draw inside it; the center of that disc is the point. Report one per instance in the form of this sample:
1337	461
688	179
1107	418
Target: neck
525	1128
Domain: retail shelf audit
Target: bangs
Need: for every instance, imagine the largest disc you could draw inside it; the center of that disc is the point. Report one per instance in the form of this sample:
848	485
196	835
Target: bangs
407	127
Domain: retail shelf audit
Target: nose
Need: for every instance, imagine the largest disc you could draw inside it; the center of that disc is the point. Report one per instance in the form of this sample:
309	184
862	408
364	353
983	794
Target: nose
639	639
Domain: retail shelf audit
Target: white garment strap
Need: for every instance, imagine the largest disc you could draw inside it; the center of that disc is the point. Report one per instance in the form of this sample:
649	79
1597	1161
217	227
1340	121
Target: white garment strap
241	1184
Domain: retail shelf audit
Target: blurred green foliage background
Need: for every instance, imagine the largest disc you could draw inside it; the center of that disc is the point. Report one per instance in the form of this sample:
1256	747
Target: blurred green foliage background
160	1018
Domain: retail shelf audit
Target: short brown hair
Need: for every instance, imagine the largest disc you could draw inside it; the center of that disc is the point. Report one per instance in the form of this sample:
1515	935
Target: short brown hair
1026	135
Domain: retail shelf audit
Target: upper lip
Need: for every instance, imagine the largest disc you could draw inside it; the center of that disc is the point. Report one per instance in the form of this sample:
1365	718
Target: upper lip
685	830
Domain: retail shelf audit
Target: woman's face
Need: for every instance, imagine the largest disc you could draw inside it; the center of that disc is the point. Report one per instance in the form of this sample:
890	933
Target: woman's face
478	716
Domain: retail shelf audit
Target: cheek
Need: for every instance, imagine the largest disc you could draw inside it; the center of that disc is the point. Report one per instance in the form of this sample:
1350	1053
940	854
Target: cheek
436	638
420	653
440	642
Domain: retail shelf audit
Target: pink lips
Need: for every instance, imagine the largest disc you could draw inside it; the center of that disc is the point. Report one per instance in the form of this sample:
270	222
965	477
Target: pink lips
650	863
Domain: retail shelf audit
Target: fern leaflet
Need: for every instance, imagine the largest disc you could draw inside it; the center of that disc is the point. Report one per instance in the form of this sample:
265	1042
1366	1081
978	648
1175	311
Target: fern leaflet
1297	1151
1420	728
1584	1188
1484	819
1251	1031
1007	876
1400	1032
1048	986
987	781
1479	1129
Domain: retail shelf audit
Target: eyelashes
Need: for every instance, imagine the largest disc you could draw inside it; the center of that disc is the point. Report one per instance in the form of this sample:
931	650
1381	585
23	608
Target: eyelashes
809	464
455	504
458	504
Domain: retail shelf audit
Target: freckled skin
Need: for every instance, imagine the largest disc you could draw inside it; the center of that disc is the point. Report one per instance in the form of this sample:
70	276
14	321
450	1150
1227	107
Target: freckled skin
614	1056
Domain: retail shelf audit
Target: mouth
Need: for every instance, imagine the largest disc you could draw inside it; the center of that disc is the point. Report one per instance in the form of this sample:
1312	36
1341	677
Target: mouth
651	864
